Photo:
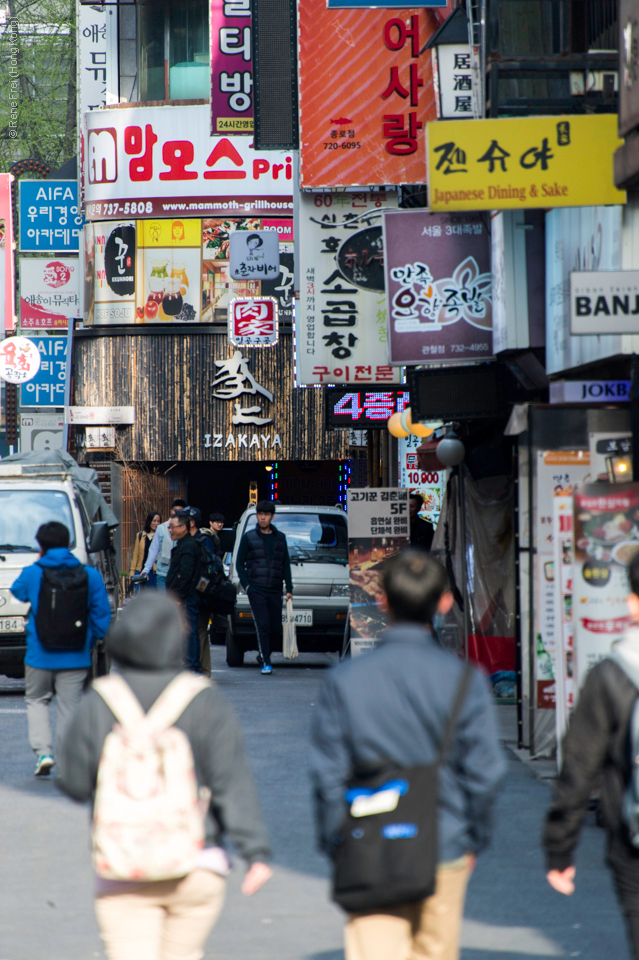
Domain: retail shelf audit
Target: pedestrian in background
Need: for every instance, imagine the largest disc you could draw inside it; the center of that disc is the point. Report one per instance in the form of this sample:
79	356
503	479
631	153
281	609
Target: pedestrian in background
263	564
143	541
204	612
167	919
58	656
159	554
216	525
182	580
421	531
401	707
598	754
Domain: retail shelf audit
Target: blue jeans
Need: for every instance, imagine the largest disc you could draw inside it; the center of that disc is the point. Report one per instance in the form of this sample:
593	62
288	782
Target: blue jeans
160	581
267	615
193	660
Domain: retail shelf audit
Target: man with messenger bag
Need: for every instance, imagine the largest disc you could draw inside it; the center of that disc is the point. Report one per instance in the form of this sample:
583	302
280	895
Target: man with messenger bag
405	762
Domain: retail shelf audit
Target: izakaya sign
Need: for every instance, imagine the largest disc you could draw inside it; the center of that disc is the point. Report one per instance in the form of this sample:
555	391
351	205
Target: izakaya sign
523	162
438	285
162	162
604	302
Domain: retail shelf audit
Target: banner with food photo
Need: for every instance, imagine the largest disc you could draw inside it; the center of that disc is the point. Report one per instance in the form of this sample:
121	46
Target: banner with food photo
606	530
169	271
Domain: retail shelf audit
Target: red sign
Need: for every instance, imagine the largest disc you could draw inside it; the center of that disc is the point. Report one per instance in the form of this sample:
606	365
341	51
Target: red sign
253	321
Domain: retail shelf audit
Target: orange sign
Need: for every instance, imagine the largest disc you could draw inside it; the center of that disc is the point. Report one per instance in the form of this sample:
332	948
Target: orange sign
366	94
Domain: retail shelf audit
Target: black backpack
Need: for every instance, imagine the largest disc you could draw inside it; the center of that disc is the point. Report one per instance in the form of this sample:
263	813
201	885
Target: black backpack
387	854
63	607
215	590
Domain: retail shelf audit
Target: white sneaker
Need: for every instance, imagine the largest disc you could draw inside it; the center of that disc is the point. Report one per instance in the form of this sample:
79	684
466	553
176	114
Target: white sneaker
43	766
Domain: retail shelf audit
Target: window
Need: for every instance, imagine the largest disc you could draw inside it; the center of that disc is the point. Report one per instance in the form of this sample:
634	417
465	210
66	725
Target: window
173	50
23	511
312	537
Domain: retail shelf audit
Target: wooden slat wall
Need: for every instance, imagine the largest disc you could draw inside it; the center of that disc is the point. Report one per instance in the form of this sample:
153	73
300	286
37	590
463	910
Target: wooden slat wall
168	379
142	492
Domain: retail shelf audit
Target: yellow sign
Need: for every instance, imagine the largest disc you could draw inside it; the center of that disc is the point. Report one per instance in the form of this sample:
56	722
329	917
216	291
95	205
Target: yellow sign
522	162
169	233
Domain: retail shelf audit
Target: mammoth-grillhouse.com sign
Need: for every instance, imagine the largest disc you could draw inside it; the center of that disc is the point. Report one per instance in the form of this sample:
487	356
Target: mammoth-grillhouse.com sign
604	301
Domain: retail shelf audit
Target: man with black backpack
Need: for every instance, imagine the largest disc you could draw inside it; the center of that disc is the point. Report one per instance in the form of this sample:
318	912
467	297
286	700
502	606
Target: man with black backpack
405	763
70	611
185	571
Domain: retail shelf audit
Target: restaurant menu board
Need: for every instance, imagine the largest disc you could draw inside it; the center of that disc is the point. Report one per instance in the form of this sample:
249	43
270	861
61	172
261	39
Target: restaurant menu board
430	484
606	526
378	528
563	547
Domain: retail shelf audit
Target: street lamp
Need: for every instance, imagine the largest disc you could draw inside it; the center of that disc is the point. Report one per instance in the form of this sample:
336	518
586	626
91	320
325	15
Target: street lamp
451	452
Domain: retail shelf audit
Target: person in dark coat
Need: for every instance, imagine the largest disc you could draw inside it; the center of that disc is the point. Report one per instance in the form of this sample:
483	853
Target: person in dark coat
262	565
421	531
182	580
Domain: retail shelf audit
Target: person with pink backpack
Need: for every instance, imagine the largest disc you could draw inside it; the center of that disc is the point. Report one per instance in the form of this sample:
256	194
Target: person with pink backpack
159	753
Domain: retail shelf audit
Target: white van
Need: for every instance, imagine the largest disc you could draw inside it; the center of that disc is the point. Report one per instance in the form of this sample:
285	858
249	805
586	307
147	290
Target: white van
317	539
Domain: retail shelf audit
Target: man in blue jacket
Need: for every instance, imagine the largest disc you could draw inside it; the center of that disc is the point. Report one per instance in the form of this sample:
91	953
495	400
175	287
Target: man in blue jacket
393	704
61	672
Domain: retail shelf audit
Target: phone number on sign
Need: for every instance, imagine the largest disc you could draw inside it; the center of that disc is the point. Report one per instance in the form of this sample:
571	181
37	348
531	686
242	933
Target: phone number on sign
112	209
347	145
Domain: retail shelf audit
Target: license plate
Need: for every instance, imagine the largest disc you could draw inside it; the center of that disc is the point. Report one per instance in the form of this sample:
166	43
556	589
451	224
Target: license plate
303	618
11	624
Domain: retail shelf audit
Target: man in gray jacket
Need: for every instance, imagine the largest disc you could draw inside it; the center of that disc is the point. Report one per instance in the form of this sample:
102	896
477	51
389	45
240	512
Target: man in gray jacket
392	704
135	918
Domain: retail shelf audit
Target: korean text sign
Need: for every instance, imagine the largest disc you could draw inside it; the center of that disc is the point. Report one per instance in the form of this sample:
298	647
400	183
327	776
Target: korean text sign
341	334
47	388
366	94
231	67
49	292
347	408
523	162
49	216
439	286
156	162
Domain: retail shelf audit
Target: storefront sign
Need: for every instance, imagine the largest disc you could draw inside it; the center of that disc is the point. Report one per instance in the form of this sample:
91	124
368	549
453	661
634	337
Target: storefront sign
99	438
231	67
160	162
604	300
378	527
438	287
99	416
254	255
7	298
19	360
253	322
47	387
606	525
49	215
233	380
49	292
363	409
523	162
114	273
365	123
590	391
342	330
429	484
454	72
41	431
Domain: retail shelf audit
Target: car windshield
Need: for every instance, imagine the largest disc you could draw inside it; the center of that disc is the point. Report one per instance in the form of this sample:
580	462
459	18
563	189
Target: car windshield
23	511
313	537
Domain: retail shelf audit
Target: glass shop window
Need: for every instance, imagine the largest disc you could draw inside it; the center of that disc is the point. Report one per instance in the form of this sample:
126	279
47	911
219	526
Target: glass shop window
173	50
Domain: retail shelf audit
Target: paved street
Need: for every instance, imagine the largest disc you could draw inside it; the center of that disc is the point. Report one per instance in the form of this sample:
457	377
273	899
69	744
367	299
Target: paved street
45	881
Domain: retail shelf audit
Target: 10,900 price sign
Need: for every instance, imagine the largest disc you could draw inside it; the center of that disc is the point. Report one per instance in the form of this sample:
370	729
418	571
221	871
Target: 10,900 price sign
350	408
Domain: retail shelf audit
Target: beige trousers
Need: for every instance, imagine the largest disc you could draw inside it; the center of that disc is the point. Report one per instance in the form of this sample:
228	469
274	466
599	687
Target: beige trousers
428	930
163	920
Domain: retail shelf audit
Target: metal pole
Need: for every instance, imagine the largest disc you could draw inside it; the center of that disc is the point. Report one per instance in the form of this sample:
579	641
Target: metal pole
462	538
634	414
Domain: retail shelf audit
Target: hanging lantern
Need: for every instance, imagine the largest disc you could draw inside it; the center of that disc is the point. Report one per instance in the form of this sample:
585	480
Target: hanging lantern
417	429
395	427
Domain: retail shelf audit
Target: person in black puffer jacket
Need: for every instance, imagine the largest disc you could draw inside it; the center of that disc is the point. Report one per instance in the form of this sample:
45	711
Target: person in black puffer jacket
262	565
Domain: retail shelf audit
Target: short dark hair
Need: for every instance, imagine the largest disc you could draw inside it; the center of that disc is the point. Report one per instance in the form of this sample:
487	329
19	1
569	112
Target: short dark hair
183	518
633	574
414	583
178	503
216	518
149	520
417	496
265	506
52	535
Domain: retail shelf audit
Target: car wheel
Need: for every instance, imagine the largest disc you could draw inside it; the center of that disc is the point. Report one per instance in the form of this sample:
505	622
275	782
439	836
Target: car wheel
234	653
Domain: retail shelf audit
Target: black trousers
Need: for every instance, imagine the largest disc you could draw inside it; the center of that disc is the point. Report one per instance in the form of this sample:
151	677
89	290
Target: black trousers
267	614
623	860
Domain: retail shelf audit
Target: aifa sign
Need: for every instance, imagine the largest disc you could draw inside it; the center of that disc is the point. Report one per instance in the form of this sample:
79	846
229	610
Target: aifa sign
604	302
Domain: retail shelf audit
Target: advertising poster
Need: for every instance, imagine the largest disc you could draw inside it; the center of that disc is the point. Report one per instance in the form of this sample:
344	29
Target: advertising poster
169	271
363	123
114	265
438	287
378	528
41	431
342	334
429	484
49	292
563	551
49	216
231	67
47	387
558	472
523	162
606	525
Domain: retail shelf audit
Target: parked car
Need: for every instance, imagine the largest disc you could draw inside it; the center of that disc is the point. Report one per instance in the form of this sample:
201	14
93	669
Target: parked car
317	540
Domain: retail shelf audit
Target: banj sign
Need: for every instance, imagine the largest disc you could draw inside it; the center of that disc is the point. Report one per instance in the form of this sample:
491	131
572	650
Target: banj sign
604	302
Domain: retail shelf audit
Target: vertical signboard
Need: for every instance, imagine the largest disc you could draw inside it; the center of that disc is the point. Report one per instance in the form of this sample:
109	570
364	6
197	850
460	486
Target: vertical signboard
378	528
48	387
430	484
114	273
438	287
6	252
563	550
366	93
606	525
231	67
342	328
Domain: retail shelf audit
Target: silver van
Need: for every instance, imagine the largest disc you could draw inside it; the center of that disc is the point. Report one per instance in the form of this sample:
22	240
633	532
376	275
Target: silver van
317	539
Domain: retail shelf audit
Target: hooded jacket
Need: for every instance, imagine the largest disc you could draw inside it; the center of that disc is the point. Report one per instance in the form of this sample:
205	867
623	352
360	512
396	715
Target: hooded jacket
27	589
393	704
146	644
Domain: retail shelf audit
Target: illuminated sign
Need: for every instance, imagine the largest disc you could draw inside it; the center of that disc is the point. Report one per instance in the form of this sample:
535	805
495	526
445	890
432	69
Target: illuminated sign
348	407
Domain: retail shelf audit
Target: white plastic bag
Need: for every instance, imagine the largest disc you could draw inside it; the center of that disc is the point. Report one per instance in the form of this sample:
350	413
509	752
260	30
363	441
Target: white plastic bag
289	642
